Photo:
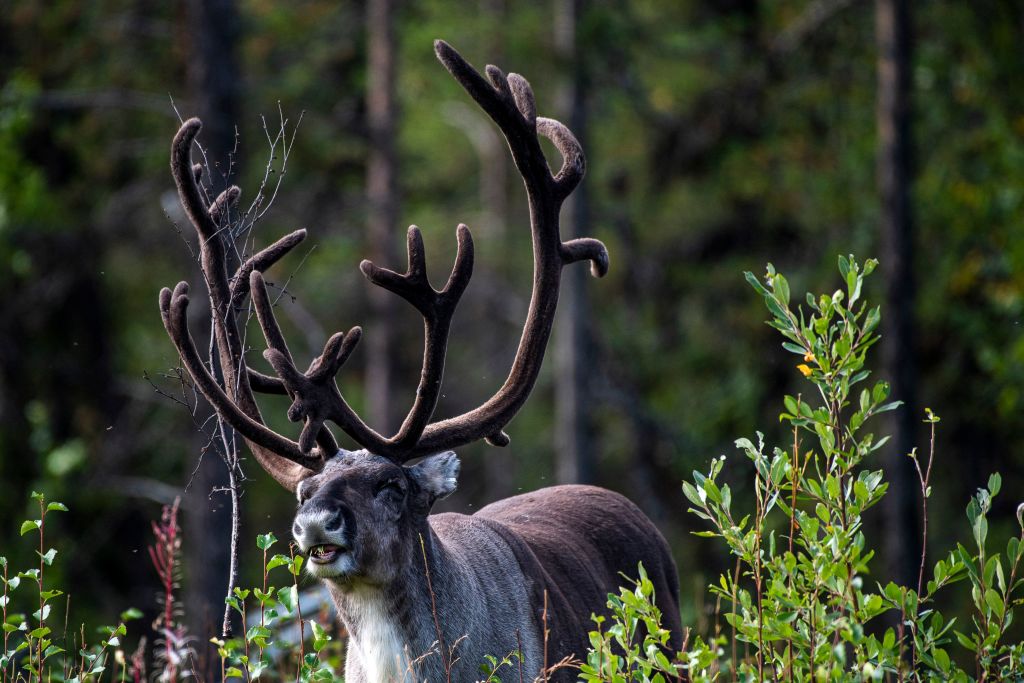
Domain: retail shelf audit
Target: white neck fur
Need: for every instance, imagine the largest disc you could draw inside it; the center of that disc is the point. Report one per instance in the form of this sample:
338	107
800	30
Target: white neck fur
376	639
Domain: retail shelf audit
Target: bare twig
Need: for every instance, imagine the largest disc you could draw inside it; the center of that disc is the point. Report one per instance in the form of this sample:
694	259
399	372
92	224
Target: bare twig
445	659
544	621
298	609
924	478
519	644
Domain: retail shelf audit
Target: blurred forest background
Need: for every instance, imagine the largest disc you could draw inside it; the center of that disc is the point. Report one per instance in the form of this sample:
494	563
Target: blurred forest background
719	134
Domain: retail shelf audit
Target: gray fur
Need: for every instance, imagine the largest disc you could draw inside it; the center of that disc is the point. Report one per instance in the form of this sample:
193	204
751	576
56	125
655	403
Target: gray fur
488	572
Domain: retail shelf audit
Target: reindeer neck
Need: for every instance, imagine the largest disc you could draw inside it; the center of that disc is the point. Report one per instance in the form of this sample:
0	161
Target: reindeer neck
391	627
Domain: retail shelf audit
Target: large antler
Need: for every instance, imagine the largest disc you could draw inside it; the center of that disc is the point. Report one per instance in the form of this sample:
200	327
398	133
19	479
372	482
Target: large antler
509	101
234	401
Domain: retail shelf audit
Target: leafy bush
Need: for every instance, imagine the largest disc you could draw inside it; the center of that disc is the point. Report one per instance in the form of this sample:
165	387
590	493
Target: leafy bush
35	649
32	645
621	653
798	600
249	657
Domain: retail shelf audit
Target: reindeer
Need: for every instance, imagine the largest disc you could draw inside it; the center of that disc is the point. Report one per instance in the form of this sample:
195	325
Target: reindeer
523	574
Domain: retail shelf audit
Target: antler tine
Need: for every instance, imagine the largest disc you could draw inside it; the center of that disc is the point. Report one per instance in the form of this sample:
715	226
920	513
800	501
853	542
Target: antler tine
174	312
315	396
280	456
587	249
275	340
437	309
261	261
509	102
574	164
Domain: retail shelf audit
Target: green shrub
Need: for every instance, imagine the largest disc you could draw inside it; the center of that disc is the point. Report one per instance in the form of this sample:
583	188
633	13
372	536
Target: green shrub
249	656
798	602
36	645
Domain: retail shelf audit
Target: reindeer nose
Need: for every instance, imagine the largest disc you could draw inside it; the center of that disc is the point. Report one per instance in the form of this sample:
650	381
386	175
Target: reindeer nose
321	520
333	523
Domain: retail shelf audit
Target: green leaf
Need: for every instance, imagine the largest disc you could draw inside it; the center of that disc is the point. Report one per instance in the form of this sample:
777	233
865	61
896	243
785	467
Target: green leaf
741	443
288	597
794	348
29	525
995	482
832	486
52	650
264	541
56	507
258	631
48	557
776	309
278	561
320	637
690	491
712	491
994	602
965	641
854	289
781	288
822	512
131	614
756	284
791	405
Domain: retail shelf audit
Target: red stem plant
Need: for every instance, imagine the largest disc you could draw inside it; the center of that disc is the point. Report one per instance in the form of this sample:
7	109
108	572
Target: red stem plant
164	556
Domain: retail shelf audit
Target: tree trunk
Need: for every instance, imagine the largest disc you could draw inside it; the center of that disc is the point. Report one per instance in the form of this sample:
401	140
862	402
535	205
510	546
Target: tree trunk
575	456
382	207
892	26
214	84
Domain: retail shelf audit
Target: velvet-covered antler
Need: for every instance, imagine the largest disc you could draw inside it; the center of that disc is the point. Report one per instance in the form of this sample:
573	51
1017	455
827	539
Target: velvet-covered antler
234	401
315	393
509	102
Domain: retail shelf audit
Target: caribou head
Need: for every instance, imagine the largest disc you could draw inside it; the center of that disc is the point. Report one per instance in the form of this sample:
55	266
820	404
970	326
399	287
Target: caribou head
361	517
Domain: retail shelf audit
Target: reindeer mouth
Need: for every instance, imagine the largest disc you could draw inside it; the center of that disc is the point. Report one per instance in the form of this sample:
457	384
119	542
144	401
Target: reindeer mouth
325	554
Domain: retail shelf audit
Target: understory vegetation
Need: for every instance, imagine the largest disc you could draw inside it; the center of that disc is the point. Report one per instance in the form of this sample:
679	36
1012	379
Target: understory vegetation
800	604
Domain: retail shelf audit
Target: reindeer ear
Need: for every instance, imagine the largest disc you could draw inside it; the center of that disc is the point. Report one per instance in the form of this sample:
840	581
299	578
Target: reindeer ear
437	475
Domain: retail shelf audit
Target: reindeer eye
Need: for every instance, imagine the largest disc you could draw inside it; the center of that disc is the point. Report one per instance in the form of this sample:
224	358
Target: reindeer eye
390	487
